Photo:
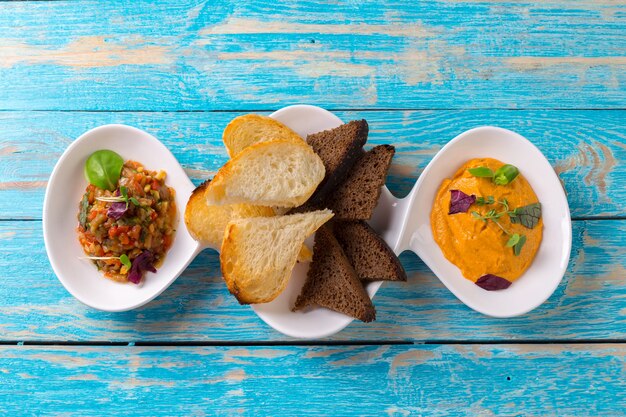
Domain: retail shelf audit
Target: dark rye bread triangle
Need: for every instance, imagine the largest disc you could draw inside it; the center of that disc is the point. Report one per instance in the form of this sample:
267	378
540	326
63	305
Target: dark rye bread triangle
369	254
332	283
357	196
338	148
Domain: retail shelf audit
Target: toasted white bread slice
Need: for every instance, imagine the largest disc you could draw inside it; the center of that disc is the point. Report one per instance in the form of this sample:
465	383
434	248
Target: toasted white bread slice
258	253
207	224
249	129
277	173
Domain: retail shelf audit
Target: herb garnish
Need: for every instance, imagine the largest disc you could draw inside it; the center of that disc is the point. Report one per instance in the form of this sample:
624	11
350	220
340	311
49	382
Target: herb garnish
123	259
84	207
502	176
492	282
481	201
103	169
120	203
528	216
516	240
142	263
460	202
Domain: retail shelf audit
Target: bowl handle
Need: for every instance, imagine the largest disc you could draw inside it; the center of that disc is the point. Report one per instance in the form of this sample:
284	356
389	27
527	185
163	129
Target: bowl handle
391	217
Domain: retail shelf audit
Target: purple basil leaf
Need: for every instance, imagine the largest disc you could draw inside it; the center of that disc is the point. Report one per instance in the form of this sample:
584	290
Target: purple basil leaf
117	210
460	202
144	262
492	282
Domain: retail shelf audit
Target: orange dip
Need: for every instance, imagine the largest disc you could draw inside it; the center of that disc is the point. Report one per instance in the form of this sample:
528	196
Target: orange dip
477	247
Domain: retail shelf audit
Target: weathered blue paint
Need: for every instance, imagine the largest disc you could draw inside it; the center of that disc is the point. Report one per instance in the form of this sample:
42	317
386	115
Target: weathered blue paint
193	55
589	303
511	380
585	147
425	71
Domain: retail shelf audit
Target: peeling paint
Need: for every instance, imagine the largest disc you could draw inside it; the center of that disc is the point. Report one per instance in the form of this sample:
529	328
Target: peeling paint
529	63
85	52
276	25
82	377
596	159
8	150
22	185
410	359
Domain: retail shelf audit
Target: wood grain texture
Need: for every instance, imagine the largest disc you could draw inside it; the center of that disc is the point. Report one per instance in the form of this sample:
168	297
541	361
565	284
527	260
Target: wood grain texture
581	380
587	148
430	70
197	55
589	303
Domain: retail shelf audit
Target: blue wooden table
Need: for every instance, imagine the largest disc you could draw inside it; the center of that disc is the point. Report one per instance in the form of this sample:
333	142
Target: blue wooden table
420	73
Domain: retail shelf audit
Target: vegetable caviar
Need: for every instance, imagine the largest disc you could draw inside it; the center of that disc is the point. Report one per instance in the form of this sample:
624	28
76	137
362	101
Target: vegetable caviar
136	217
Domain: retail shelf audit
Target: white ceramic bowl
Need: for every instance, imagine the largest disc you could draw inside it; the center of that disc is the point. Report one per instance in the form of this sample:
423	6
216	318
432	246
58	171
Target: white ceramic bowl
65	189
545	273
403	223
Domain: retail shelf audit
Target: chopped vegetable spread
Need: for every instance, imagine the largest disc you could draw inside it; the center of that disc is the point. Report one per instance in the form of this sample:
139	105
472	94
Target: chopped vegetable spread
127	227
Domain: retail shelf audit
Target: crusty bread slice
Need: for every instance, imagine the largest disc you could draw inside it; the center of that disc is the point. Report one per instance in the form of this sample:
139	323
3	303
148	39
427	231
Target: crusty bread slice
249	129
332	282
369	254
277	173
258	254
207	223
357	196
338	148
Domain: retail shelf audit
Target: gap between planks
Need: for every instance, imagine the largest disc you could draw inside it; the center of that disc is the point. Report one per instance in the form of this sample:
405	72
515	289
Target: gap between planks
306	343
339	109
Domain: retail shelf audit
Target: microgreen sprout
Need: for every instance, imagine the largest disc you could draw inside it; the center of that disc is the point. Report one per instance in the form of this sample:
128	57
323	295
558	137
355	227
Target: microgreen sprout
123	259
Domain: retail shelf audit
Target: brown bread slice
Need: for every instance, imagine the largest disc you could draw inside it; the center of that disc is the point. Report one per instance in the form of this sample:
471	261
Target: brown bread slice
357	196
339	148
332	283
369	254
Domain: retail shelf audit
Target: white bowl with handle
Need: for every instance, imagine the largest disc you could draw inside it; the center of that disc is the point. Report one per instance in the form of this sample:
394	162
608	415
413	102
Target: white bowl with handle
403	223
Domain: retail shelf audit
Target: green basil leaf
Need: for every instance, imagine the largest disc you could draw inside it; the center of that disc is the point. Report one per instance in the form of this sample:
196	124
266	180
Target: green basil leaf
124	192
482	172
513	240
528	216
134	201
125	261
517	249
103	169
505	174
84	208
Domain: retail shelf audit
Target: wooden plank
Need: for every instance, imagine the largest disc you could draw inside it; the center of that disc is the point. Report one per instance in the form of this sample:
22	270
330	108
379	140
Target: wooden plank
589	303
585	147
193	55
530	380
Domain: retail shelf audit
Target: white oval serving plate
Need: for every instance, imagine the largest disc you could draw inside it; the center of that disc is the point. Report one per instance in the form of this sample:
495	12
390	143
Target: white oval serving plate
403	223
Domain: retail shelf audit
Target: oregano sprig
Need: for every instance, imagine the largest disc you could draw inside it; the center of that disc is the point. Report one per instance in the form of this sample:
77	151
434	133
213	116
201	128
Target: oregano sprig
516	240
